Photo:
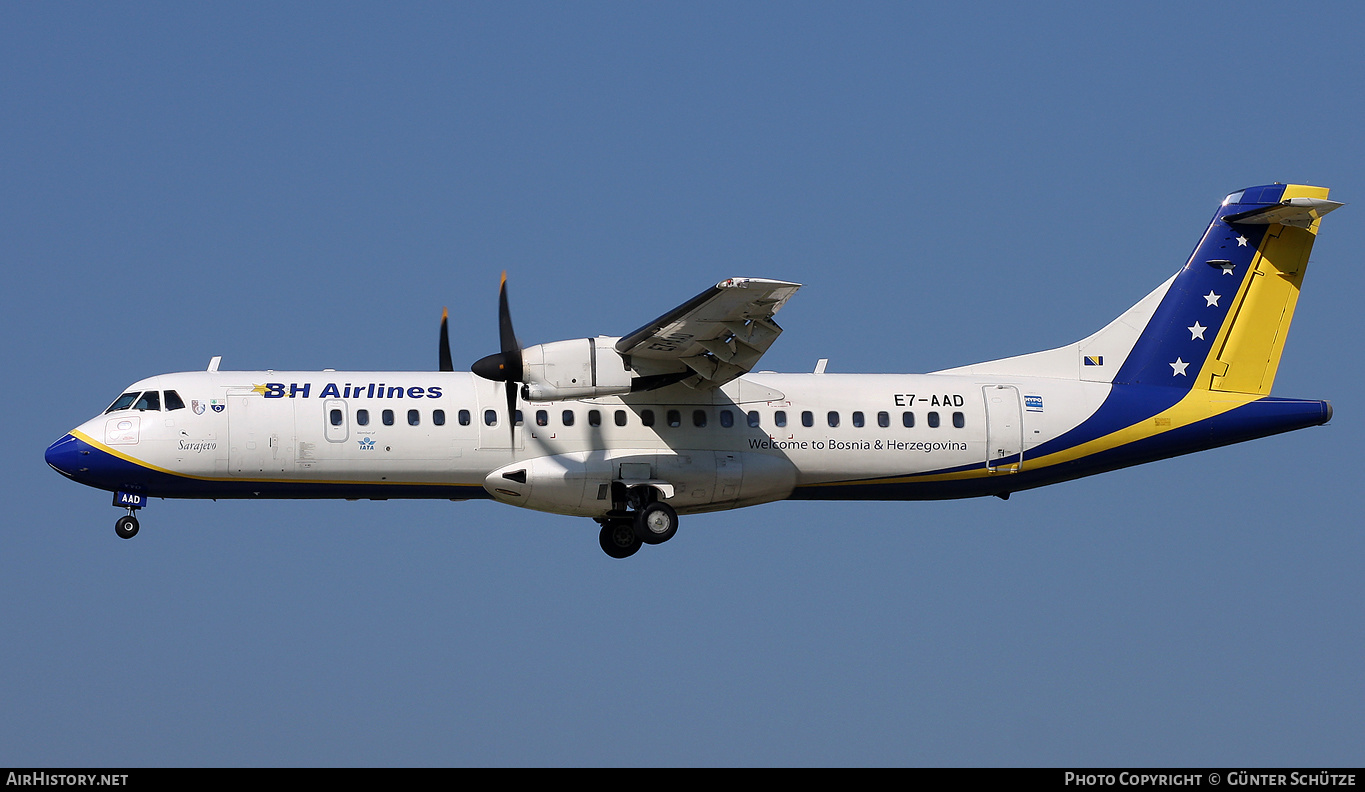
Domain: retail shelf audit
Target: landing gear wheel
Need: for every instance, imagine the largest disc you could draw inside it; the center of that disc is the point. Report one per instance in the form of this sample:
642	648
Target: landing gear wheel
126	527
656	523
618	539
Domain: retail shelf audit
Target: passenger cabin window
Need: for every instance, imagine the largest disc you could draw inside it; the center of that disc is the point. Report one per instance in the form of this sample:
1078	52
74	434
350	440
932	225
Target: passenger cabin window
620	418
959	420
362	417
594	418
464	418
335	417
883	419
780	417
908	420
858	419
833	418
518	418
647	417
173	401
807	418
674	418
568	417
933	420
438	417
753	418
414	418
699	418
123	402
387	417
727	419
490	417
542	418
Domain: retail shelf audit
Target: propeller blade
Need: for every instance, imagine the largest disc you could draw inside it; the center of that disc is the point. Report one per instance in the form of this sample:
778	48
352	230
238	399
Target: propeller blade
511	359
504	366
445	362
512	414
506	335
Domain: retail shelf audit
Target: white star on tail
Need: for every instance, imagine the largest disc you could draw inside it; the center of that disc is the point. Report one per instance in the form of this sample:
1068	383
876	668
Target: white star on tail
1241	241
1178	367
1211	299
1197	331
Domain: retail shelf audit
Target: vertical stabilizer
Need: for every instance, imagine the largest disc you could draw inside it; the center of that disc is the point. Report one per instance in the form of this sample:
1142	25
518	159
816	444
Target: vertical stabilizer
1221	322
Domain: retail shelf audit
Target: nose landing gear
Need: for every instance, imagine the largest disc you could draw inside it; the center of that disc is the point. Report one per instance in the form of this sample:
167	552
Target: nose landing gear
126	526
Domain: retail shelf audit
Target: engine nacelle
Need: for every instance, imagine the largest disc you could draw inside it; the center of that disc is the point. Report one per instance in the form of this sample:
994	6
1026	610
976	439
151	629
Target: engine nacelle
582	368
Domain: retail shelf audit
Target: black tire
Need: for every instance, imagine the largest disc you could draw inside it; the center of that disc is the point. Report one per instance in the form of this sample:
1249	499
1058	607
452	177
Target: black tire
618	539
126	526
656	523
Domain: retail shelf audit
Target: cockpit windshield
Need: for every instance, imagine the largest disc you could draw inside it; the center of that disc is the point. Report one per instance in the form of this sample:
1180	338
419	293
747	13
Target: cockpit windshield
146	400
123	402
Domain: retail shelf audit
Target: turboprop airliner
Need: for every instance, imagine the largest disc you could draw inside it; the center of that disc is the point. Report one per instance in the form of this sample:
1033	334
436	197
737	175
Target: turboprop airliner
634	430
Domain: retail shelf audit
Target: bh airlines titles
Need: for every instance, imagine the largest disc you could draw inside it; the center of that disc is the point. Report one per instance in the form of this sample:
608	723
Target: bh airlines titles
373	390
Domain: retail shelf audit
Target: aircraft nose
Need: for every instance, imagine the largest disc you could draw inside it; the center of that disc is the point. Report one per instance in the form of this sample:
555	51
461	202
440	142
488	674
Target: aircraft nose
67	456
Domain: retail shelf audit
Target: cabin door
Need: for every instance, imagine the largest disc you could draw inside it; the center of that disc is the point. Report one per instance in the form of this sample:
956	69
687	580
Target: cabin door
1004	429
260	435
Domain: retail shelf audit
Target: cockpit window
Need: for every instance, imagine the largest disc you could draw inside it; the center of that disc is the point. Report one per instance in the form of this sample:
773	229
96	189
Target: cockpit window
173	401
123	402
151	400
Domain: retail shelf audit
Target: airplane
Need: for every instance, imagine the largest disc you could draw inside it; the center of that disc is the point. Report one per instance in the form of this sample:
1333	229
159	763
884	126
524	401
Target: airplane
672	419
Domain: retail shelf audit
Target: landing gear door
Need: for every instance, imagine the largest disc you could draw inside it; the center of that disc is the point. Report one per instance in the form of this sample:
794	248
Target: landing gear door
1004	429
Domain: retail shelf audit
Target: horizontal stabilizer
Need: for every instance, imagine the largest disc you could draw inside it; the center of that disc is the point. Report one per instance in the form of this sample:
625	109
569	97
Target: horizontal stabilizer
1299	212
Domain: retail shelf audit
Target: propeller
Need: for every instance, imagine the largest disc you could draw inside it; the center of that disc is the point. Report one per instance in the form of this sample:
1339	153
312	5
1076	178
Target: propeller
445	363
504	366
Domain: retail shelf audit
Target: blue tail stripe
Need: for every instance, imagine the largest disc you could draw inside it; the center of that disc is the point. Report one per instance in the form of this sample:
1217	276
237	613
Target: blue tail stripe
1179	336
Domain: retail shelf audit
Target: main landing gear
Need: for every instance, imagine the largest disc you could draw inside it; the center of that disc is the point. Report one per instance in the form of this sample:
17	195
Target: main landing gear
650	522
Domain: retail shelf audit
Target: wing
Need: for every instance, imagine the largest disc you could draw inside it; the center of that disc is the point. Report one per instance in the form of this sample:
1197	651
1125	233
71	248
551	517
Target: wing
718	335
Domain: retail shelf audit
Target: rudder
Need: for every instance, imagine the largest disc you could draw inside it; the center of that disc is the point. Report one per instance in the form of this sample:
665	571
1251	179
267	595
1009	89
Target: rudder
1247	354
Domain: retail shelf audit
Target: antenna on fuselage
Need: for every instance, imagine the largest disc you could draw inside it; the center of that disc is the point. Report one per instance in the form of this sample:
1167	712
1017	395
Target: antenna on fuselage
213	362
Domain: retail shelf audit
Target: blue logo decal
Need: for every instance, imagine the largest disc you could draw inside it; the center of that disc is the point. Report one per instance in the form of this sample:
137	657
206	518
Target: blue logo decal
1033	403
367	444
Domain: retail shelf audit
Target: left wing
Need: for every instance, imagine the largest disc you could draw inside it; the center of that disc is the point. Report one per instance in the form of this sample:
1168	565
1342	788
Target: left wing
718	335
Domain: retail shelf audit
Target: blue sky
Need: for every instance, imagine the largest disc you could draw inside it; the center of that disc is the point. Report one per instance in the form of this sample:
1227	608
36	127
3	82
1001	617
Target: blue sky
306	185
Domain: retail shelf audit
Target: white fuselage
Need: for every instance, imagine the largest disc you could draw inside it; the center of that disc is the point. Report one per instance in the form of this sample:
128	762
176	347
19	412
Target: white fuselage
435	434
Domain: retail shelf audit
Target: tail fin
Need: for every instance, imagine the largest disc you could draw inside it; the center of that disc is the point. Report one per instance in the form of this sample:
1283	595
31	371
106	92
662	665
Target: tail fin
1220	322
1258	321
